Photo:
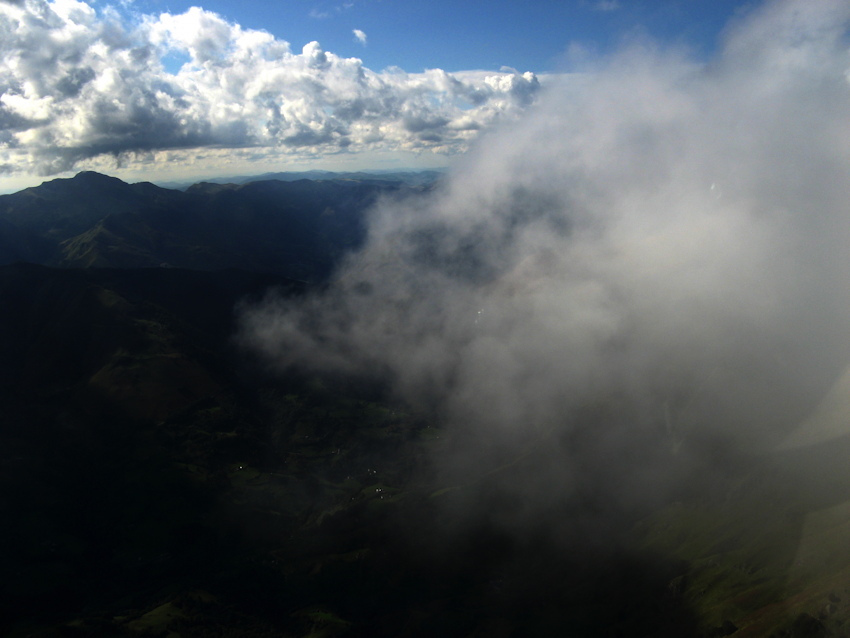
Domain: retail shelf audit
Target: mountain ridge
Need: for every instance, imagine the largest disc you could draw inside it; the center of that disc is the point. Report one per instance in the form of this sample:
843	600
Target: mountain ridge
296	228
160	480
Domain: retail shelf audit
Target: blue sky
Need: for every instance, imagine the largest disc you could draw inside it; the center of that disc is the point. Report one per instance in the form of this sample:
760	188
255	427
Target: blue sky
456	36
164	89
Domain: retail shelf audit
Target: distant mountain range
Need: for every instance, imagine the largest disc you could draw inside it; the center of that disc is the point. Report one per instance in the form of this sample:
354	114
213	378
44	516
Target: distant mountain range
294	228
409	178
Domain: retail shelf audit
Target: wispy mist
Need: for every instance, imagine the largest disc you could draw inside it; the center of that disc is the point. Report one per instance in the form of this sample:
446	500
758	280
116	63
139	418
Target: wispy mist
652	265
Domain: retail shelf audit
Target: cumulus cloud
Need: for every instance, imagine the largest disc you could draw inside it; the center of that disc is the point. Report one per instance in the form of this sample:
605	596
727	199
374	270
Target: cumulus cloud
77	84
360	36
651	265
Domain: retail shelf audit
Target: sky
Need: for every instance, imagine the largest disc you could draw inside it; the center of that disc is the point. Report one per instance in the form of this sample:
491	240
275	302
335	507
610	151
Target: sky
169	90
459	36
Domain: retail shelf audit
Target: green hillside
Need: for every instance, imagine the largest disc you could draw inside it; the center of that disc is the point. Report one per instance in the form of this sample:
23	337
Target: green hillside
157	479
296	228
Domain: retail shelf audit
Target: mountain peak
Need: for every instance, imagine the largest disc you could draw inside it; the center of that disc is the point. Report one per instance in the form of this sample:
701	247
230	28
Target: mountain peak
93	177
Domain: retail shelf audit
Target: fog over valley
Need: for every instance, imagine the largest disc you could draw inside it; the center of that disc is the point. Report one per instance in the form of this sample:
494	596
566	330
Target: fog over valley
593	380
663	240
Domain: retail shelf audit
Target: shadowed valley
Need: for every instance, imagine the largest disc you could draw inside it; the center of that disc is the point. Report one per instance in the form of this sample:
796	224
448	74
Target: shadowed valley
158	477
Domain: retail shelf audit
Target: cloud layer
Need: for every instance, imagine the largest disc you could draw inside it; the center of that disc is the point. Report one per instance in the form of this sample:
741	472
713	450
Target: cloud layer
77	84
653	259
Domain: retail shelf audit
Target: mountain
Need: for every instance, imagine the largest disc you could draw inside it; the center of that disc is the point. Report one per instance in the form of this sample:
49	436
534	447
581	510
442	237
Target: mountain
408	178
160	483
157	480
100	368
298	229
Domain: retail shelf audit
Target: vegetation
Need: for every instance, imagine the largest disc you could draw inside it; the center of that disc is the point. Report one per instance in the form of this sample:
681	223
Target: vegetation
156	483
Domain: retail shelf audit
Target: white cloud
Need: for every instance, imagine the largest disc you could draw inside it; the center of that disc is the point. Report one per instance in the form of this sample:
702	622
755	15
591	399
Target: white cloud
359	36
77	85
655	254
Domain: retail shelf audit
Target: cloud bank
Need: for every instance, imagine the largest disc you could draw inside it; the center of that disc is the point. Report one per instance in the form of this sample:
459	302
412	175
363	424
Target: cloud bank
650	266
78	84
